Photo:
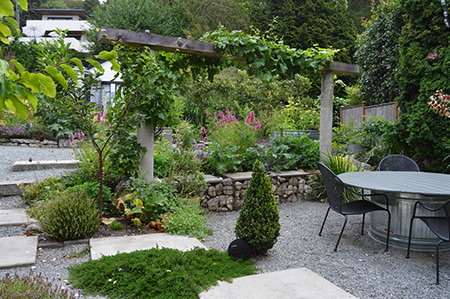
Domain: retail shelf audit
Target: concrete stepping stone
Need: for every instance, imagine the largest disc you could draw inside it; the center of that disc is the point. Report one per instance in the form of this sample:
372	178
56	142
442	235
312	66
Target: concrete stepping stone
15	217
289	173
40	165
18	251
239	176
8	188
294	283
114	245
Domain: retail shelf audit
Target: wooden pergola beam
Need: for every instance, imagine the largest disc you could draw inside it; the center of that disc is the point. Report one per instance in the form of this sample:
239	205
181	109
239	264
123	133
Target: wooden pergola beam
159	42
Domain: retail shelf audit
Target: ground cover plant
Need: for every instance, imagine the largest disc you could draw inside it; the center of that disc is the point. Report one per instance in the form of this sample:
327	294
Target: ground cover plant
30	287
157	273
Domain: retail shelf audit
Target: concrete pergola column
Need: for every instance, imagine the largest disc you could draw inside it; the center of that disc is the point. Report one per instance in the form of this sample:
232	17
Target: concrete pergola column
146	138
326	104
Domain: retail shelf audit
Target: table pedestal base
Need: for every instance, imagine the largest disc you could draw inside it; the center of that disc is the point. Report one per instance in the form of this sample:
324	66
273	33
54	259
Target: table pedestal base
401	206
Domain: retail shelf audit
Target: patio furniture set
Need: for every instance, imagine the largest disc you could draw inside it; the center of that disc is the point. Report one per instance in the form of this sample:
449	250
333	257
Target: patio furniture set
399	189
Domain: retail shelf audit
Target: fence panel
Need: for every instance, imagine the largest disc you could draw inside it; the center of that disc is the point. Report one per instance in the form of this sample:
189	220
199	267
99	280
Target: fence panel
357	114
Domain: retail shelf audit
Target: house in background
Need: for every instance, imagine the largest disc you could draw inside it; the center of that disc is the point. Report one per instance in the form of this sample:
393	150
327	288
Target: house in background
108	86
73	20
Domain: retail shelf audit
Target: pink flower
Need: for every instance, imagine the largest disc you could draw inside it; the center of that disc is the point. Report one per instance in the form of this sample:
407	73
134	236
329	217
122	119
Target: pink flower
71	138
207	113
203	130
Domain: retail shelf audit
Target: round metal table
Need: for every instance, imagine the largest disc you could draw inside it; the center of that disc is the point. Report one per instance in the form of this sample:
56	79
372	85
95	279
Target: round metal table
403	189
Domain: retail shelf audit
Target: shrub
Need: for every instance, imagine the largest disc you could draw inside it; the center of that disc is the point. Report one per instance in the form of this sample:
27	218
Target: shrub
222	159
70	216
43	190
185	173
116	225
147	202
258	220
92	191
161	158
289	152
338	164
14	286
188	220
157	273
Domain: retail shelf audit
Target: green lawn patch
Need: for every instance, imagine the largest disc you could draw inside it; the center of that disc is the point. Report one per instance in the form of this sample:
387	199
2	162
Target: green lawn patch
157	273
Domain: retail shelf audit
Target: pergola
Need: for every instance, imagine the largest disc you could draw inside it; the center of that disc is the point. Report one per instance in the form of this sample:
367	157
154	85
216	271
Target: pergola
201	48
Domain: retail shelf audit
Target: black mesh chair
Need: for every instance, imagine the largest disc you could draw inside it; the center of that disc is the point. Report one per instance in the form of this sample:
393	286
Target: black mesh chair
439	225
335	191
397	163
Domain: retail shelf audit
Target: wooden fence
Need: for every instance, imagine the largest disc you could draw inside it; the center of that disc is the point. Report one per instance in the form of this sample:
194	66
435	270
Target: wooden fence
358	114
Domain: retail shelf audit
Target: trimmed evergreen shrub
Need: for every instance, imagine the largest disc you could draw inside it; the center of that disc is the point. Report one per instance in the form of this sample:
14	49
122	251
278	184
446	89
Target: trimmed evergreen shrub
258	221
70	216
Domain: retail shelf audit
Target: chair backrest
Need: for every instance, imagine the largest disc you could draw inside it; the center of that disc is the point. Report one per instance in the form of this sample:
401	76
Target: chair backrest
334	187
446	207
397	163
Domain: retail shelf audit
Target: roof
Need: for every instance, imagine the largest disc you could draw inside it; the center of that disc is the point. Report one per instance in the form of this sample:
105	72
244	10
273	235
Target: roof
63	12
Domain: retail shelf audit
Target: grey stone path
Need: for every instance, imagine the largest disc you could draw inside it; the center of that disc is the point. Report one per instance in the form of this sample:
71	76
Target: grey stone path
15	217
18	251
298	283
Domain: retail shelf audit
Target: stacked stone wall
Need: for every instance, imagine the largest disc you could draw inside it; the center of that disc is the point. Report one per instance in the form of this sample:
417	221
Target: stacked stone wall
35	143
227	194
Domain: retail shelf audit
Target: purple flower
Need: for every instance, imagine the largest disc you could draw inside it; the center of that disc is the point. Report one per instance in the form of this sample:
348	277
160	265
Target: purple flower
203	130
71	138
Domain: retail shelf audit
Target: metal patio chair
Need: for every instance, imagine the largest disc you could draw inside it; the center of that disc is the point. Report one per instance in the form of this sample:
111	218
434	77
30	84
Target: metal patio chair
335	190
439	225
398	163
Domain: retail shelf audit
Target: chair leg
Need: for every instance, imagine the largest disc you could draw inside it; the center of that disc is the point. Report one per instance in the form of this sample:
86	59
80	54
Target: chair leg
362	228
326	215
388	231
437	261
409	238
340	235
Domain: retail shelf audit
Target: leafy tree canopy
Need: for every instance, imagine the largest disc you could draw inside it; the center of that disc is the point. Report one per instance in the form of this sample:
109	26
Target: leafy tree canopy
178	18
306	23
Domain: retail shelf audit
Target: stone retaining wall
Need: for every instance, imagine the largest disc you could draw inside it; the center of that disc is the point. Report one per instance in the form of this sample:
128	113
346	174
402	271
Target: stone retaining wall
226	194
35	143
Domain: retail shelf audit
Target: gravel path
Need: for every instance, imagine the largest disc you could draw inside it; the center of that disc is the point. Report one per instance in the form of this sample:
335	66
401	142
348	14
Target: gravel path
11	154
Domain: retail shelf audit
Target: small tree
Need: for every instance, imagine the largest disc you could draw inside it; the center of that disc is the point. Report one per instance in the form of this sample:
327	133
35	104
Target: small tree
258	221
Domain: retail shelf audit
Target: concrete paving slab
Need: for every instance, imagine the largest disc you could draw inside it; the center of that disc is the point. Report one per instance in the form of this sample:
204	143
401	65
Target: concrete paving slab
15	217
210	179
239	176
114	245
18	251
289	173
293	284
8	188
40	165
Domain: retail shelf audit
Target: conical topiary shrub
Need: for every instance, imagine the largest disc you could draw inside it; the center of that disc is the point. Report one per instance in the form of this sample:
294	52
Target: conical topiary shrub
258	221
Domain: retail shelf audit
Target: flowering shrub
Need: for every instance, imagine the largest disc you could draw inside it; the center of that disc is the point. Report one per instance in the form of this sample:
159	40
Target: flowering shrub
15	131
11	120
226	130
440	103
15	286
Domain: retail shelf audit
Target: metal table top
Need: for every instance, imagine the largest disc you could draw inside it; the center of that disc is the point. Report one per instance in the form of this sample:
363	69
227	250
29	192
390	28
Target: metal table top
424	183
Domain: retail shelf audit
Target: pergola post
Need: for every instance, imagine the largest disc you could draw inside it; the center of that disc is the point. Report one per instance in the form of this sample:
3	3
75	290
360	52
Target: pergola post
146	138
326	113
326	104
